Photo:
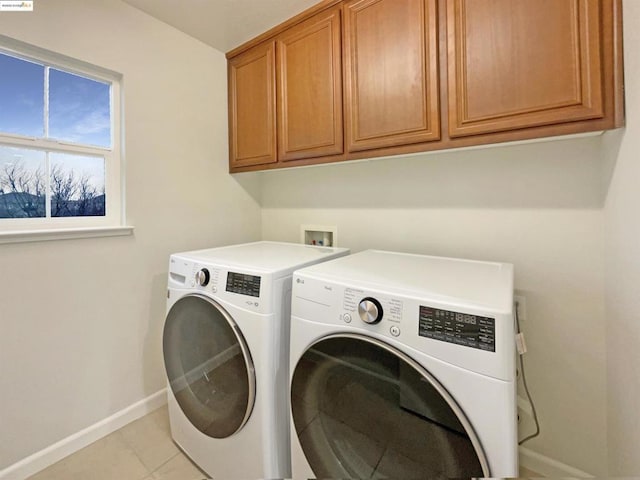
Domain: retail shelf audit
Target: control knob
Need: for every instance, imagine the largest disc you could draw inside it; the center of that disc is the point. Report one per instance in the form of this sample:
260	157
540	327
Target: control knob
202	277
370	310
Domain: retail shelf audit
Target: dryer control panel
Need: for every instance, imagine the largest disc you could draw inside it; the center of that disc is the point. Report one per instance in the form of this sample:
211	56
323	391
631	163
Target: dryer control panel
459	333
387	310
463	329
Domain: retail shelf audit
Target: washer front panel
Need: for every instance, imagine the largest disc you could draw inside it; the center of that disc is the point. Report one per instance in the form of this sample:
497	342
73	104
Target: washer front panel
209	366
363	409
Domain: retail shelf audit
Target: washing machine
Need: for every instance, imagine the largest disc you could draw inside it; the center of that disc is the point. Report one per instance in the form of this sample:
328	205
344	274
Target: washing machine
403	366
225	346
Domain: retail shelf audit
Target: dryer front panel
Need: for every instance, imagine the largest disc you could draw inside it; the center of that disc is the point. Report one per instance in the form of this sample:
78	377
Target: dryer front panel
363	409
209	367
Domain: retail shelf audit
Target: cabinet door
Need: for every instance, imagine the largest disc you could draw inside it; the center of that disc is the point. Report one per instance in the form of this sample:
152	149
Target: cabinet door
391	73
522	63
310	89
252	101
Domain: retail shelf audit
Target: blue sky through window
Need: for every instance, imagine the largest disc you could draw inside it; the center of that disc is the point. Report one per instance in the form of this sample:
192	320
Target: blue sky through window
21	97
79	108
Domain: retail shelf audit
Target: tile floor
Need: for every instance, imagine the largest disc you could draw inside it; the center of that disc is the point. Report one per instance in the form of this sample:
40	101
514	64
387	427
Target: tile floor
526	473
142	450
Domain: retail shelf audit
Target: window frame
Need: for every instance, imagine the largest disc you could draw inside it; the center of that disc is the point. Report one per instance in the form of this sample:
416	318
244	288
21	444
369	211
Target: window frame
18	229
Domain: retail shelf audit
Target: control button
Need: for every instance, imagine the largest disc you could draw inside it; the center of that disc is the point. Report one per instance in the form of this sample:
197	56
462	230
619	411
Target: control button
395	331
214	289
202	277
370	310
347	318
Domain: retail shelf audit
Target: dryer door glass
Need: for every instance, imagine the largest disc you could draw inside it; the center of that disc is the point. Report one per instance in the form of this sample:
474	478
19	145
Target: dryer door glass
362	409
209	366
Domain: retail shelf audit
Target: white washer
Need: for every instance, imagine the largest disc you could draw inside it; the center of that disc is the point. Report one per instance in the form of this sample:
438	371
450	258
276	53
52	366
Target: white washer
225	348
403	366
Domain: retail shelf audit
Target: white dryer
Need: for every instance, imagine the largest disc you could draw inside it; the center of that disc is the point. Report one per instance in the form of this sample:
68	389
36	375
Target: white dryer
403	366
225	347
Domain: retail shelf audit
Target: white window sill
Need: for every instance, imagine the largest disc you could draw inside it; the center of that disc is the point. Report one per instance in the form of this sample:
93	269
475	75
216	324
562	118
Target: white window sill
63	234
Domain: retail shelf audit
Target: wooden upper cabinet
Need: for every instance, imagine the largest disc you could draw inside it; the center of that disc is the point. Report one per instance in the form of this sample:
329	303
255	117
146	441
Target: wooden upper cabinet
354	79
252	107
391	73
522	63
310	88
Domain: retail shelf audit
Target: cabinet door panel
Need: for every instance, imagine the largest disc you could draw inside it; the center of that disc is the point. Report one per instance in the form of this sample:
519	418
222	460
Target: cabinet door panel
521	63
310	89
391	73
252	113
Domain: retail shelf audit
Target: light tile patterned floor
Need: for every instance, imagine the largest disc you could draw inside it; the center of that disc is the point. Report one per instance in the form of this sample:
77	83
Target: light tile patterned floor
526	473
142	450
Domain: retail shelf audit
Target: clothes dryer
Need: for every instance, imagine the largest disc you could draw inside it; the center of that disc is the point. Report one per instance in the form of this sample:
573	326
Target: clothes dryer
403	366
225	347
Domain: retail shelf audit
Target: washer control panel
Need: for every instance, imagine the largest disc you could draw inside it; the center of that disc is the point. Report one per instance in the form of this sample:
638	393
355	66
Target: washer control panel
243	284
202	277
249	289
205	278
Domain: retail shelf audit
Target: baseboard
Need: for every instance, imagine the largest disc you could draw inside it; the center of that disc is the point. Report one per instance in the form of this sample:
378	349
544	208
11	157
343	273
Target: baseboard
548	467
65	447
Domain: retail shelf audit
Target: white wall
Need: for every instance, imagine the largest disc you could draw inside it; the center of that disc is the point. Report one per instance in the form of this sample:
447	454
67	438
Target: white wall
81	320
538	206
622	215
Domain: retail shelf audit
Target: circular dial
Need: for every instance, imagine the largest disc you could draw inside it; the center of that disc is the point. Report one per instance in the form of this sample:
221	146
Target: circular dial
370	310
202	277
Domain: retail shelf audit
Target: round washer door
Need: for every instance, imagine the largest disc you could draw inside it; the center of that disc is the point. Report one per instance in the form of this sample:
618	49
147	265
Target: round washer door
363	409
209	366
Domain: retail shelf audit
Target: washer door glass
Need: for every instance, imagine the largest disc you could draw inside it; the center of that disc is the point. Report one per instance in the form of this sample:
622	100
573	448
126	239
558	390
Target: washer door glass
363	409
209	366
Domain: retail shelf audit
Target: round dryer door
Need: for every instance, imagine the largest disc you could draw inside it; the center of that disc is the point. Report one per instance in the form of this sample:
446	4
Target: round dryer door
209	366
363	409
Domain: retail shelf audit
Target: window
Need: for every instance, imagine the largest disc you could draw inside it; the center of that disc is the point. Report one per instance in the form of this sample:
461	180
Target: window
60	142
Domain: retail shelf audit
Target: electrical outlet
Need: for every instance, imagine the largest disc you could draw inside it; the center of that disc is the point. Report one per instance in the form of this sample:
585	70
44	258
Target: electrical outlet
521	302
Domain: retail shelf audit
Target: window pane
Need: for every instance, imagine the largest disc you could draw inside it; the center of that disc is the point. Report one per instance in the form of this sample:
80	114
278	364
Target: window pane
21	97
22	183
77	186
79	109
